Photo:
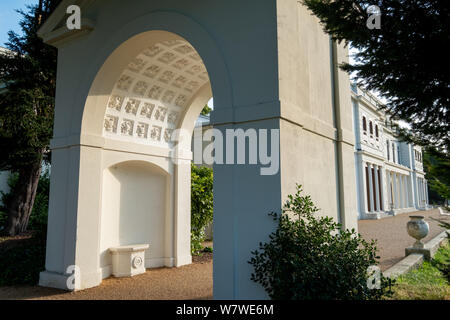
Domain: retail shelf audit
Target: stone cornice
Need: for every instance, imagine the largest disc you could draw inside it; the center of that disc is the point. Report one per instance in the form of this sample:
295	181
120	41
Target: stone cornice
54	34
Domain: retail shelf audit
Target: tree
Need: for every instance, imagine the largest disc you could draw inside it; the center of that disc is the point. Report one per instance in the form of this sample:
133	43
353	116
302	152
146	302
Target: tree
26	111
437	168
206	110
404	61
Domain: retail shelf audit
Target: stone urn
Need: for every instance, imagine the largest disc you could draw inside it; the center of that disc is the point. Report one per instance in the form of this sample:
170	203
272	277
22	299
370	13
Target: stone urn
418	228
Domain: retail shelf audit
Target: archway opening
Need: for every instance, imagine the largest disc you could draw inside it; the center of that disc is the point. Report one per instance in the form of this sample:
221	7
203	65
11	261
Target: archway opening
146	170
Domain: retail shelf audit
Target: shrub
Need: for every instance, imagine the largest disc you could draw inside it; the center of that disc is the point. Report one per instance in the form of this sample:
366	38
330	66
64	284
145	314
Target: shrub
23	260
309	257
201	204
442	261
39	213
5	198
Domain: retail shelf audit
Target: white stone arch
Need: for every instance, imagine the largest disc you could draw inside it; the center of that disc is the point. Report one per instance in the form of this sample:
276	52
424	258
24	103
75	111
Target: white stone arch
98	150
269	69
128	43
139	120
163	88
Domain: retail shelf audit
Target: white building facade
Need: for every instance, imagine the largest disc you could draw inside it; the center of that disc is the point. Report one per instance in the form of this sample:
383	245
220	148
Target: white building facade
389	172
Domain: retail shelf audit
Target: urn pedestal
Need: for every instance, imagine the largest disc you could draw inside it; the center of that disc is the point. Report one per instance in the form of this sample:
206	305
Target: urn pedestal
417	228
128	260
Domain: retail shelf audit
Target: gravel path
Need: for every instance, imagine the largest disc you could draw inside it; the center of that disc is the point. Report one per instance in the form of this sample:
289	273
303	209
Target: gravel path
194	281
392	235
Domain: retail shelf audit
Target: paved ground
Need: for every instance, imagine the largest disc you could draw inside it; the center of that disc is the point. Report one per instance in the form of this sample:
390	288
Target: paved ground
392	236
188	282
195	281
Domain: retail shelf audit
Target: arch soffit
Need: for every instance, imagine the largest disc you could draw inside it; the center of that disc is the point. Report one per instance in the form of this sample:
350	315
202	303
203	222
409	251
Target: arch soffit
130	42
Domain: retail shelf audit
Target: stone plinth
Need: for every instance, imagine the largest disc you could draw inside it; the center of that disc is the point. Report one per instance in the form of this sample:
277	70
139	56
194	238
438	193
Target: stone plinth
128	260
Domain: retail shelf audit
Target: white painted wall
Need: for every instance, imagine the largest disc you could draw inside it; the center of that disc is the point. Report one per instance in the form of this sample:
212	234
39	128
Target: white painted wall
133	211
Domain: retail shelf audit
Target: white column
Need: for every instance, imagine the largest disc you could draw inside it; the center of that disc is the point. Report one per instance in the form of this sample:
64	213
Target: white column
363	187
424	201
405	205
405	196
407	191
383	190
410	193
377	188
369	170
426	192
420	192
387	201
182	214
74	217
396	191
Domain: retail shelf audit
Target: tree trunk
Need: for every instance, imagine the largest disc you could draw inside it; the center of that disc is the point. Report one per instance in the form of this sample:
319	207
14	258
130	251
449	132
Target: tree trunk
21	204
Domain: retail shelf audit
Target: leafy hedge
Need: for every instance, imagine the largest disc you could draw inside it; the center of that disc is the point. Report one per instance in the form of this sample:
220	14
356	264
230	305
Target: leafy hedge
22	260
311	258
21	263
39	214
201	205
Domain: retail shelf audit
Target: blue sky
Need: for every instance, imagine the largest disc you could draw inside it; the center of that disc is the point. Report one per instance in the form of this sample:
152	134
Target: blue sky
9	18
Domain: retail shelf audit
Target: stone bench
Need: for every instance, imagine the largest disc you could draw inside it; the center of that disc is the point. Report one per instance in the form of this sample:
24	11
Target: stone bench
128	260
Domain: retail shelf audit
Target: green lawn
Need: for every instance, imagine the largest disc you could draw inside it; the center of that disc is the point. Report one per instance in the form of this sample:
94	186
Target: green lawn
428	282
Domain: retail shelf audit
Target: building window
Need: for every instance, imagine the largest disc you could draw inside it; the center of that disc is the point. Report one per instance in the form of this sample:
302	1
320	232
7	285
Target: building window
369	205
376	131
370	128
380	195
393	153
374	189
388	151
364	121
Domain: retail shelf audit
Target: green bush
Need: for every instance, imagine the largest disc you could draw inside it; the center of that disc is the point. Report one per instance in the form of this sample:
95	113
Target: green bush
309	257
201	205
39	213
22	261
206	110
4	199
442	261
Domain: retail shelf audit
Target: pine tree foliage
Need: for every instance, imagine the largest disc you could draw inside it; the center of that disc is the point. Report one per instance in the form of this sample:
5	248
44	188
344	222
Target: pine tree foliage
437	168
405	61
28	77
